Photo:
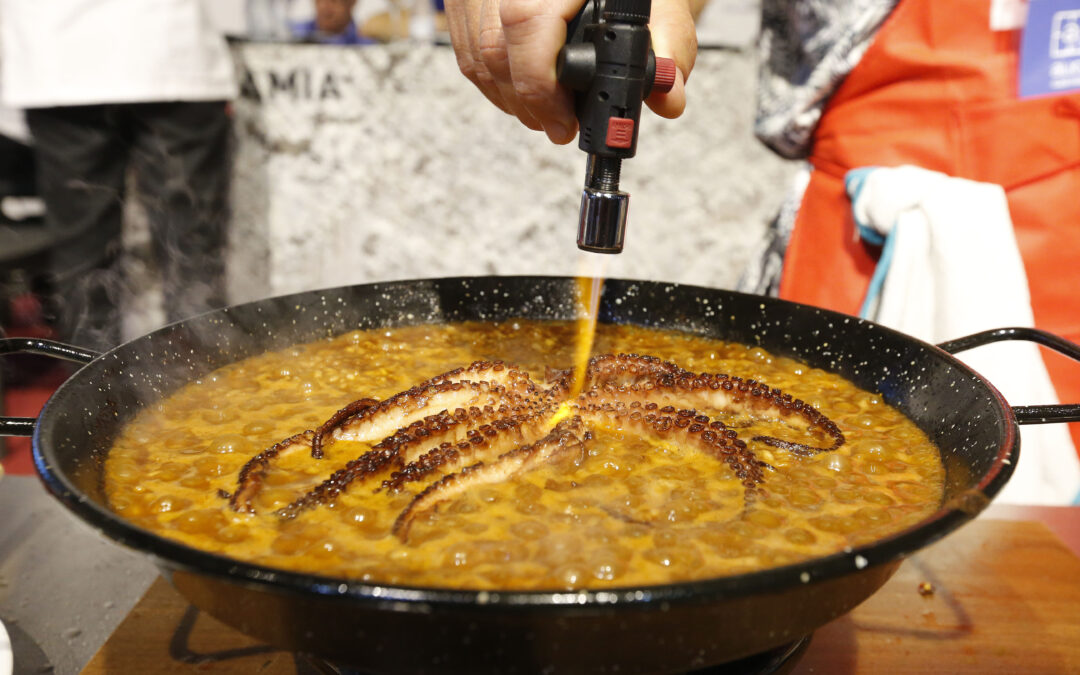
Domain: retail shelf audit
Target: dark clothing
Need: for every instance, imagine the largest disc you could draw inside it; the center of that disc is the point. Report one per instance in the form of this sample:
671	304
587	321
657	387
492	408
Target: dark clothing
16	169
178	154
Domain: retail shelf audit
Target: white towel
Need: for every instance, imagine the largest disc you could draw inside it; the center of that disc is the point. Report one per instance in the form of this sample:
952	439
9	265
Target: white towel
950	267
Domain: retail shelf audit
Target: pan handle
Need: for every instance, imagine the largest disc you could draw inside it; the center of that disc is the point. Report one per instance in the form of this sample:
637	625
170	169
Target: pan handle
1026	414
52	348
24	426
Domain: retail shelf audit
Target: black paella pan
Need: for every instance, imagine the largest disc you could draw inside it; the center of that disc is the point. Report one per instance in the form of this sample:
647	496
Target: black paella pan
670	628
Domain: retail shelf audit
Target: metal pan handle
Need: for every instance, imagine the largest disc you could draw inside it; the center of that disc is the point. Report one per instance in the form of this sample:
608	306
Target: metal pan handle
1026	414
24	426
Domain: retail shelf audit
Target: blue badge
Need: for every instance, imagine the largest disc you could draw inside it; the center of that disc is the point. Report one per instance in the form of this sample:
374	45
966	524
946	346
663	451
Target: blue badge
1050	48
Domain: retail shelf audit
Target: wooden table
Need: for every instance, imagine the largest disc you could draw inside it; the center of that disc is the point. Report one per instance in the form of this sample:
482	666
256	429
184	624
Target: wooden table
1006	599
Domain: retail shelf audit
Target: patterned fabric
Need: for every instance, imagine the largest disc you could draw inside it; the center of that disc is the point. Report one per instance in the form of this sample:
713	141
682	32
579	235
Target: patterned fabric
807	48
762	273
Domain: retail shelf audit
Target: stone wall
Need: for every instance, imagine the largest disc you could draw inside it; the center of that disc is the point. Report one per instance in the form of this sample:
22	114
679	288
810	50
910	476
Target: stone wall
378	163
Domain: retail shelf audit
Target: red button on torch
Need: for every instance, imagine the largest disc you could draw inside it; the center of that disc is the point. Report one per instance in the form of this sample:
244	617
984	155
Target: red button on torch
620	132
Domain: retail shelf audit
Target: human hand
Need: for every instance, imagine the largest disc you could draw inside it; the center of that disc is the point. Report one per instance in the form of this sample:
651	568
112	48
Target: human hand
508	49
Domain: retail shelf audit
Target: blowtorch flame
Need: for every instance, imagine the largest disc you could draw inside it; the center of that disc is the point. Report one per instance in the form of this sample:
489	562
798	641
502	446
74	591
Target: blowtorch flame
588	301
560	414
588	291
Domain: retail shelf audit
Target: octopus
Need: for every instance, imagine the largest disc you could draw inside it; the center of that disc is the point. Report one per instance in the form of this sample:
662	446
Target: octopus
490	421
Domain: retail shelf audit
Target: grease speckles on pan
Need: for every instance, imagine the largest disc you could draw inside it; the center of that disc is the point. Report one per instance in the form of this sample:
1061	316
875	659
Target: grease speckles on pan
964	416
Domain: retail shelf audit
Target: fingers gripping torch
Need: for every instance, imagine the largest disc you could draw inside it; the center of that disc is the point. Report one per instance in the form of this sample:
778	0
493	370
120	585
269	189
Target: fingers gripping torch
609	64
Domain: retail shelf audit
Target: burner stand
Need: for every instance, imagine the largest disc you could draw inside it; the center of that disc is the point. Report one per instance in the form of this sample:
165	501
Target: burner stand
776	661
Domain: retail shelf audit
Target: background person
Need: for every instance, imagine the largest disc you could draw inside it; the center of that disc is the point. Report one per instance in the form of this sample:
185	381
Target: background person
333	24
113	85
889	83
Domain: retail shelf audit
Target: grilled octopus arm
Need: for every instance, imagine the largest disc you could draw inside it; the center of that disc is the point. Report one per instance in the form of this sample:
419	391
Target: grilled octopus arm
457	438
513	414
498	436
622	408
512	378
567	436
251	476
626	370
492	416
398	420
734	394
400	410
677	386
646	419
346	423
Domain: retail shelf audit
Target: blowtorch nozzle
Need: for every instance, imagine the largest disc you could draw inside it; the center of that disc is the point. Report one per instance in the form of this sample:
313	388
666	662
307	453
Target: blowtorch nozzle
602	220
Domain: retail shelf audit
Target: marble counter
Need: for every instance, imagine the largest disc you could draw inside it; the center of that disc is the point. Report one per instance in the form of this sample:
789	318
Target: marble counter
358	165
367	164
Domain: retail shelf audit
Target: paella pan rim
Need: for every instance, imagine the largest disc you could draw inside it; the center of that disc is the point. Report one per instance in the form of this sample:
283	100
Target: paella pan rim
172	555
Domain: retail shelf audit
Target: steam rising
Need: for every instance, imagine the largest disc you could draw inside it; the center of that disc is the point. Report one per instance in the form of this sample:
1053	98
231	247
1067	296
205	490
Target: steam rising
126	298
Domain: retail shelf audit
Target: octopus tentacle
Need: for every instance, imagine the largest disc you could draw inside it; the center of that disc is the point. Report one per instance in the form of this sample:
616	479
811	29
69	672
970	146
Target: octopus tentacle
249	481
403	417
499	436
626	370
482	440
512	378
617	408
365	465
485	404
734	394
567	435
489	421
366	420
335	421
384	418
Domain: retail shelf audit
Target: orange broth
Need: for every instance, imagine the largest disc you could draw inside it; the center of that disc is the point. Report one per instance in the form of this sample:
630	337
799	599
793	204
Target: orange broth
631	512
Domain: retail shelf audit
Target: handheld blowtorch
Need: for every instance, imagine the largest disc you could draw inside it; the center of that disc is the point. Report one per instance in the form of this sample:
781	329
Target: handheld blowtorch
609	63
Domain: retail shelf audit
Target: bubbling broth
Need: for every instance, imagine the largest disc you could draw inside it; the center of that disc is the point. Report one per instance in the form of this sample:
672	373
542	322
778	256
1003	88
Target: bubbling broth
619	508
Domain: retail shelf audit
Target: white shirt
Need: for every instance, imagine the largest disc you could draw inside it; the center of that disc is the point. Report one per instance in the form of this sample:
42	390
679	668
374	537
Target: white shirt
82	52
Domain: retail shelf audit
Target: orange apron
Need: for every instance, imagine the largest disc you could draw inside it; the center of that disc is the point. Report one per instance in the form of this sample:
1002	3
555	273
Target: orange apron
937	89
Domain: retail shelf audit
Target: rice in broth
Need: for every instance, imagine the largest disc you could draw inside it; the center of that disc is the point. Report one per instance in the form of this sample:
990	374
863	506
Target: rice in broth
628	511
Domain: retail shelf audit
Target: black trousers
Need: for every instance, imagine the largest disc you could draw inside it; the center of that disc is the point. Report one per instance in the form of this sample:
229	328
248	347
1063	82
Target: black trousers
178	153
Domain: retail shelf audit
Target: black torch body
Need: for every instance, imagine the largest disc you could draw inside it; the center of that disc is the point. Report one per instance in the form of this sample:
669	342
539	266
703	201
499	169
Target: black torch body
609	63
